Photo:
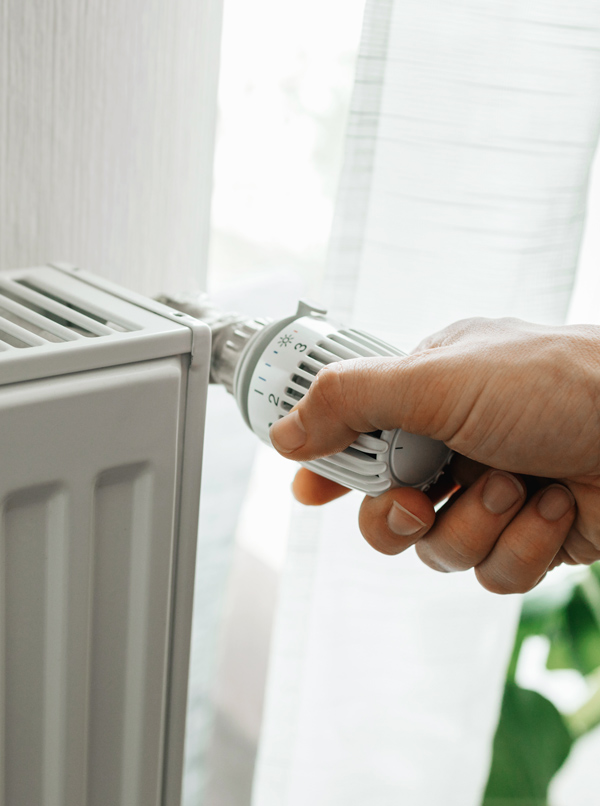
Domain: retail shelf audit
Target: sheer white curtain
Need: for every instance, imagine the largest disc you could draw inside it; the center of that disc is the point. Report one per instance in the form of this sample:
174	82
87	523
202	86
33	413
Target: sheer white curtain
472	131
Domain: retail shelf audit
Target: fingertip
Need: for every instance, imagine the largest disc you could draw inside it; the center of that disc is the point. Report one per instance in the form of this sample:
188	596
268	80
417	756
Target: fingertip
288	434
402	522
392	522
311	489
555	503
531	544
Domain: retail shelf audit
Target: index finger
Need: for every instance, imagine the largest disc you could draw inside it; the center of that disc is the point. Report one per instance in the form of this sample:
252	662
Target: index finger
314	490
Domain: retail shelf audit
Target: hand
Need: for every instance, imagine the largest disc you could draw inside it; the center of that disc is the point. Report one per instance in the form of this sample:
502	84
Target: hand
520	405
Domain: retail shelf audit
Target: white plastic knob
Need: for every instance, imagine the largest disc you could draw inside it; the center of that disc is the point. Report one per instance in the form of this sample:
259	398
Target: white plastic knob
277	368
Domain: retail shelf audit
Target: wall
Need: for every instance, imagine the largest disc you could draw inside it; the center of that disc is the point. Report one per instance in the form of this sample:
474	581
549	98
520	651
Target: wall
107	114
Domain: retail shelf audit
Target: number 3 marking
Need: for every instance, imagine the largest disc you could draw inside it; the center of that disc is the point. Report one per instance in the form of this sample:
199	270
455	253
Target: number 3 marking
300	347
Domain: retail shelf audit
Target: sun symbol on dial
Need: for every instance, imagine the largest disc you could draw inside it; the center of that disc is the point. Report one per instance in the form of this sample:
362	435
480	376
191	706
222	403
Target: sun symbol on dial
285	341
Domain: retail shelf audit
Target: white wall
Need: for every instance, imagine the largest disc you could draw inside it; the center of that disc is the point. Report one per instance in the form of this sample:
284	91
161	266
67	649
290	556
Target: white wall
107	114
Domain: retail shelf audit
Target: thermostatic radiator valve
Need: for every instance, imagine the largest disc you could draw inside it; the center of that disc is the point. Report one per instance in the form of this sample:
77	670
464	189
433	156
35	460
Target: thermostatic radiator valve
269	366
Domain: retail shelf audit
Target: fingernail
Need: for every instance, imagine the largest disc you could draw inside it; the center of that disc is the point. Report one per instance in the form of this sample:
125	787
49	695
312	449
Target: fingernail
555	503
288	434
402	522
501	492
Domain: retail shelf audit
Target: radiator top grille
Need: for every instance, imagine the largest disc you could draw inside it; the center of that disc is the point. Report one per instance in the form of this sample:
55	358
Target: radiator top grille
35	312
55	320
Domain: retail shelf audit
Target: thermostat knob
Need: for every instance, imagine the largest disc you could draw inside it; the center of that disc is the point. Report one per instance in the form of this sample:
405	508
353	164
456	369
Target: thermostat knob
277	368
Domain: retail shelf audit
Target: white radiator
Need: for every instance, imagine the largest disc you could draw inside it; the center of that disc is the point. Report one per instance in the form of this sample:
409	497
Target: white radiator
102	398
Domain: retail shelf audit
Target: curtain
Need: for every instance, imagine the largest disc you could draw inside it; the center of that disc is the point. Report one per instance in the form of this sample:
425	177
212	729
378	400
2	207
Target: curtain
470	139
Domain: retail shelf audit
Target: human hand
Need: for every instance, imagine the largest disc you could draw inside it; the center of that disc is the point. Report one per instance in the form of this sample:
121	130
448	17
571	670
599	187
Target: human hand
520	405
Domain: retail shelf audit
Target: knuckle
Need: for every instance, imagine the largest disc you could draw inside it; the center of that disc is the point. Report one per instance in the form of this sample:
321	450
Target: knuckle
496	580
464	547
429	557
528	585
464	328
329	386
510	322
458	545
582	550
580	558
590	535
525	554
492	582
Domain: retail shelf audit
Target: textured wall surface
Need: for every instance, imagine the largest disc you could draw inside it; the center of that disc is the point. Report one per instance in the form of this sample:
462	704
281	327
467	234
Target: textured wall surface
107	115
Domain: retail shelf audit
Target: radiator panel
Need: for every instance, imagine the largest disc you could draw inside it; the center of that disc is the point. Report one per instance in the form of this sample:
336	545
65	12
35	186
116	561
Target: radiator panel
34	555
86	555
121	591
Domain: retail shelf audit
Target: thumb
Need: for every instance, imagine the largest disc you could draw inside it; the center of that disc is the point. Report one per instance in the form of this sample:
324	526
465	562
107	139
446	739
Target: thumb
361	395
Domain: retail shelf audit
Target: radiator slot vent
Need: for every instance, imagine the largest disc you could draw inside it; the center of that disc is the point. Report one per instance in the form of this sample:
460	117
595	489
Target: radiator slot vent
27	324
34	314
13	341
47	314
84	312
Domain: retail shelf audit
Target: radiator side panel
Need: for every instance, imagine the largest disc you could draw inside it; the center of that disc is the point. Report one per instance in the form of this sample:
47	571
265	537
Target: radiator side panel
88	494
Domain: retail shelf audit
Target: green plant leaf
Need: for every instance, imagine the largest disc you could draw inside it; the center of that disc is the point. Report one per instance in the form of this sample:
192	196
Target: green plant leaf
541	614
584	633
560	655
575	633
532	742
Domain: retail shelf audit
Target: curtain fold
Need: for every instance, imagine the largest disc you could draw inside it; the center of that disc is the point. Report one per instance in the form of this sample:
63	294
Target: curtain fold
463	193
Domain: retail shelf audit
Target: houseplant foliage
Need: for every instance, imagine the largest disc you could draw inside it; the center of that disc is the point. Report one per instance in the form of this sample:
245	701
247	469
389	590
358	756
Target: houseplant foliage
533	738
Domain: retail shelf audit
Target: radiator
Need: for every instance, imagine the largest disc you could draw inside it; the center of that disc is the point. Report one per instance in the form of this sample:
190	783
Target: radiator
102	400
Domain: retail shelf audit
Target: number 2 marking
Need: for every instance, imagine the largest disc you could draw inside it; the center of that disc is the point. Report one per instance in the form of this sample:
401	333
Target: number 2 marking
273	399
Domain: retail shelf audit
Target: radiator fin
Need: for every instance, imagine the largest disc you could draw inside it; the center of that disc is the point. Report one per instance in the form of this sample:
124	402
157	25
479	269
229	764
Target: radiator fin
122	504
35	312
34	600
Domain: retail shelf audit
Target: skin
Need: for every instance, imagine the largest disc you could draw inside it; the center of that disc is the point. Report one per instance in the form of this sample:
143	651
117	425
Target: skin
505	395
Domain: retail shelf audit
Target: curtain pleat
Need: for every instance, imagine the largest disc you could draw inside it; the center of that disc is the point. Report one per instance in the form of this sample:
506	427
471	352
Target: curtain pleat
463	193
